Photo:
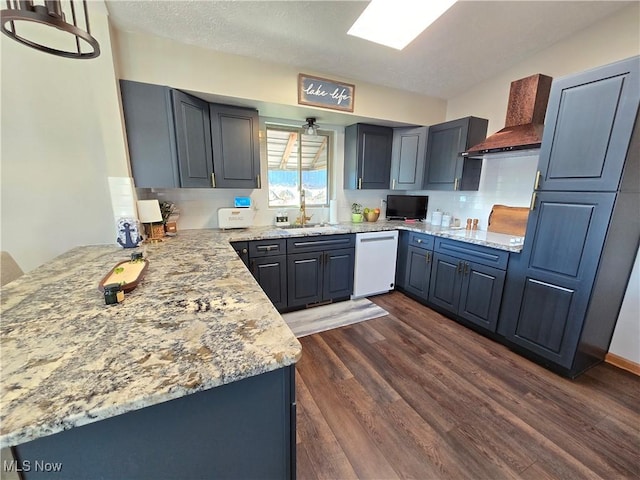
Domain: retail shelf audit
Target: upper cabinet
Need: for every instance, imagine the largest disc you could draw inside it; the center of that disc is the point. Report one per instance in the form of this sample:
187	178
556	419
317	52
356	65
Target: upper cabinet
445	167
148	116
407	158
367	157
236	146
193	140
177	140
588	130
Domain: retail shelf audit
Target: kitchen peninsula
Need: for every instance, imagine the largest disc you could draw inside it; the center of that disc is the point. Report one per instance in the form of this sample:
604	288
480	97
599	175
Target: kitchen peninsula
190	377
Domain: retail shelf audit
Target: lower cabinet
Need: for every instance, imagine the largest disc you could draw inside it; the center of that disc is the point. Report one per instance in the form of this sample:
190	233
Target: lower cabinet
467	280
321	270
271	273
417	269
301	271
470	290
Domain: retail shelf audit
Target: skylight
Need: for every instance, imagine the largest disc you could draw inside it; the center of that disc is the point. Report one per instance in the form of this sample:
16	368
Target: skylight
395	23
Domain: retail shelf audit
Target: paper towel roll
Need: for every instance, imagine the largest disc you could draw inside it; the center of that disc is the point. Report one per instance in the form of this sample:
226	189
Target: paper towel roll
333	212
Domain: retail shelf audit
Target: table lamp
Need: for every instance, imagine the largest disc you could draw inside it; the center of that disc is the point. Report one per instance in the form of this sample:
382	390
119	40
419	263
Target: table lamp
149	214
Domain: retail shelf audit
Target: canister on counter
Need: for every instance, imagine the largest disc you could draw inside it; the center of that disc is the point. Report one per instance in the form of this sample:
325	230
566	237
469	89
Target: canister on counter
446	220
436	218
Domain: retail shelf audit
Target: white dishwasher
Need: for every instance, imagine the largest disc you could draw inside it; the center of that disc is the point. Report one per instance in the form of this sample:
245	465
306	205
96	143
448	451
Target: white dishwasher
375	264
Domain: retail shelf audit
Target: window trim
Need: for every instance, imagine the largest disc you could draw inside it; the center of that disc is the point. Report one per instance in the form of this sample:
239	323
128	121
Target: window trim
298	129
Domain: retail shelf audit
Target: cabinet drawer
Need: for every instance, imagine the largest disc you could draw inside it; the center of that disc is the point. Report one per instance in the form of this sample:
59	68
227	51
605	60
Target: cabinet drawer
421	240
491	257
263	248
319	243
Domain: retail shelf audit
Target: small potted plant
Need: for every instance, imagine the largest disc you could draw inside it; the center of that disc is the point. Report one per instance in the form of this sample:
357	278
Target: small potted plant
356	213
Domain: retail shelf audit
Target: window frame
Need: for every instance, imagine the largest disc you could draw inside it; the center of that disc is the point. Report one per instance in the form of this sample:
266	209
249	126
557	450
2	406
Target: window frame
299	130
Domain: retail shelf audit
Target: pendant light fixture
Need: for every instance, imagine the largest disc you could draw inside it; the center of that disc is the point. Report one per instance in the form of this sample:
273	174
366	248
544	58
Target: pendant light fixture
50	13
310	128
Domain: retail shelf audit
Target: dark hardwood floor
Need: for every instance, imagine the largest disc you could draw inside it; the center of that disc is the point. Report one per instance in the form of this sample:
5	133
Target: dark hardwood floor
416	395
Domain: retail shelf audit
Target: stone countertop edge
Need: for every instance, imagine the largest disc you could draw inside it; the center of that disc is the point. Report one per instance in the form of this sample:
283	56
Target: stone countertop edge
499	241
197	320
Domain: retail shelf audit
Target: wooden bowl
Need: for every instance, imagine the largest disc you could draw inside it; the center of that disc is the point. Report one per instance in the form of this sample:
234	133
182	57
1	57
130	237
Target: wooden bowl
371	216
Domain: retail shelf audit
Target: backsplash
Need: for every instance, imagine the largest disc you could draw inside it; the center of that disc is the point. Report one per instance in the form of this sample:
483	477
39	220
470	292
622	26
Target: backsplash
506	180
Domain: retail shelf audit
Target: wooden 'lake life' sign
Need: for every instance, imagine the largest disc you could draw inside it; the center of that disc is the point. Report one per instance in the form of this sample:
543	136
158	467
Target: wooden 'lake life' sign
321	92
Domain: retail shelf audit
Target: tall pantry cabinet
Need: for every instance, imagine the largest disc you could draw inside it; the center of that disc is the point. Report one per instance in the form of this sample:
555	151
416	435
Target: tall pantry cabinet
564	291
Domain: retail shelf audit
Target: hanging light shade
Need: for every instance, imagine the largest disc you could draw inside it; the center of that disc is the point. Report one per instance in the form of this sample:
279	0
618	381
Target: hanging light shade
310	128
51	14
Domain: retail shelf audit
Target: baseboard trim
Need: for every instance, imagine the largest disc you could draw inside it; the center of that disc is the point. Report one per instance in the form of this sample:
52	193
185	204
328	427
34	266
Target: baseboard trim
623	363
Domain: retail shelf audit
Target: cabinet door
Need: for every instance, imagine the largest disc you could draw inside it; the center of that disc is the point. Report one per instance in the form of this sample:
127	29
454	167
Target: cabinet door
589	122
444	150
446	278
236	147
193	139
367	156
418	271
338	273
445	167
148	118
407	158
481	294
304	278
549	284
271	274
375	157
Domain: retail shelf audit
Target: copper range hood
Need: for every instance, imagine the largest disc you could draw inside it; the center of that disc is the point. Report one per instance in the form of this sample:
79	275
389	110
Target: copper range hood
524	124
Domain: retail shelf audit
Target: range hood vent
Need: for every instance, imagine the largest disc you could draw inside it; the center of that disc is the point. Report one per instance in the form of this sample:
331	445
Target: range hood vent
528	98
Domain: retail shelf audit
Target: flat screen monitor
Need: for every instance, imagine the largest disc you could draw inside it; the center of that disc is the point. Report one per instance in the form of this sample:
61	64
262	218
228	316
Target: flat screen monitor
407	207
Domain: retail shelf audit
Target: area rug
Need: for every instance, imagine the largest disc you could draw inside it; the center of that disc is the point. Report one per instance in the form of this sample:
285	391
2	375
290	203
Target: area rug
318	319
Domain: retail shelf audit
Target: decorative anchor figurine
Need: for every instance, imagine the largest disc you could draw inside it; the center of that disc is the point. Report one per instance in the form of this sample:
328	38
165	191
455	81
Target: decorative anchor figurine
128	233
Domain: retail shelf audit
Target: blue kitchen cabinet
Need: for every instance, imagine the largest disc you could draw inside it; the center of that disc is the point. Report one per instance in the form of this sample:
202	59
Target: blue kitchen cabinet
417	264
320	269
178	140
236	146
367	156
268	265
467	281
445	168
564	291
408	154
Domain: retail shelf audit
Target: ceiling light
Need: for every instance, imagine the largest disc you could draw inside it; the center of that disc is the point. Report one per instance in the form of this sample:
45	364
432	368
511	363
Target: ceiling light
310	128
28	16
395	23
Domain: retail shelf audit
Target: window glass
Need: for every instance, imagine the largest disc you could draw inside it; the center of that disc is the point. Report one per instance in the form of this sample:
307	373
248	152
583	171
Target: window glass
296	159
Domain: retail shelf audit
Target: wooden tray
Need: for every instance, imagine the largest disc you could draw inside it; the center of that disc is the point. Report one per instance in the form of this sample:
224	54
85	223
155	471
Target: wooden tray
129	272
509	220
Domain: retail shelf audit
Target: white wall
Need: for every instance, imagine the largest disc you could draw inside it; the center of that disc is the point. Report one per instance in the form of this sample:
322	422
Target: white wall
61	138
625	342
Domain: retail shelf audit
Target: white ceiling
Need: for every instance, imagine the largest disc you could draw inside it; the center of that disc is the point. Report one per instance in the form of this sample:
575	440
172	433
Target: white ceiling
470	43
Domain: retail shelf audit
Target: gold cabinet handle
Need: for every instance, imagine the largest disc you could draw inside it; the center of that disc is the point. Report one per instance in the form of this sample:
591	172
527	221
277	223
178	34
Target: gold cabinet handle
455	184
393	184
536	185
258	181
213	180
360	183
466	268
459	267
533	201
428	257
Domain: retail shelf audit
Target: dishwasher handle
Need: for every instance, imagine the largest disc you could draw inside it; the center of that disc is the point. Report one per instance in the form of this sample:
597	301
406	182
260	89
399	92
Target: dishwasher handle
376	239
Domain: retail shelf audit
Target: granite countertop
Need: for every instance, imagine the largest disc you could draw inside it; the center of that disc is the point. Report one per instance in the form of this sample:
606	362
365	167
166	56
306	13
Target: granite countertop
500	241
197	320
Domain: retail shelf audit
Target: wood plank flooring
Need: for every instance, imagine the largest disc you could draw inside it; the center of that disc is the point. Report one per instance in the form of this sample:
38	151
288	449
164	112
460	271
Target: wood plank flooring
416	395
